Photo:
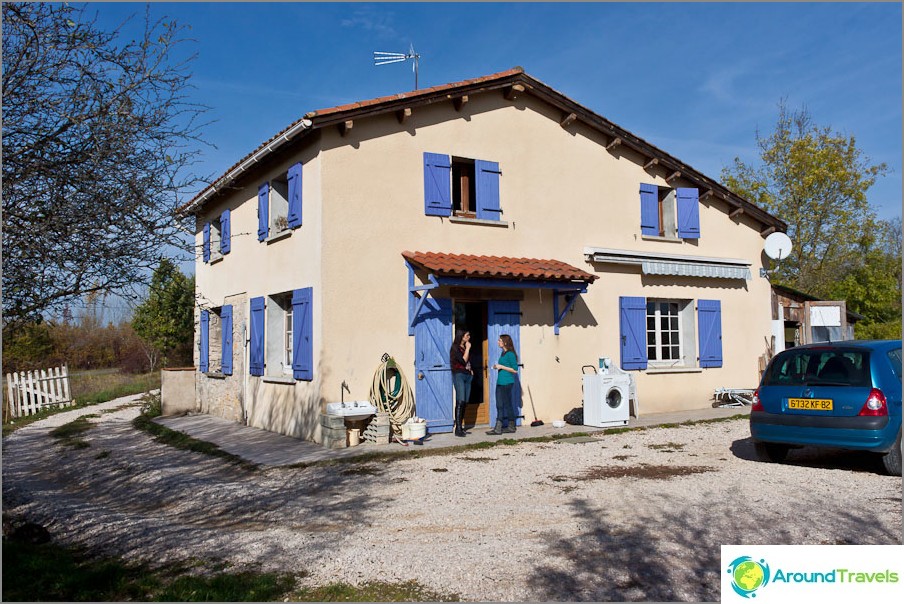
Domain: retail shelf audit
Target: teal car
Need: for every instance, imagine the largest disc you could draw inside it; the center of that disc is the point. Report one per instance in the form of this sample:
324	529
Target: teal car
842	395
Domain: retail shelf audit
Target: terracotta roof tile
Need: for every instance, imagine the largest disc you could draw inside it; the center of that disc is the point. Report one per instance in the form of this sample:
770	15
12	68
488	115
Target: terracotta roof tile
499	267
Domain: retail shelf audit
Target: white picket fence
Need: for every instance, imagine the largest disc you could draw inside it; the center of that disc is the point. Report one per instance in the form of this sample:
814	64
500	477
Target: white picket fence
32	391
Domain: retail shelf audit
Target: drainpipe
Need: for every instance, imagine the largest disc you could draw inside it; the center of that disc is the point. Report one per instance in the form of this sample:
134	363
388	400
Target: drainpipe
246	341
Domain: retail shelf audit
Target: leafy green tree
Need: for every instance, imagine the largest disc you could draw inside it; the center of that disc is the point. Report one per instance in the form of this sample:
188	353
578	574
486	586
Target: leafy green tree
816	181
165	320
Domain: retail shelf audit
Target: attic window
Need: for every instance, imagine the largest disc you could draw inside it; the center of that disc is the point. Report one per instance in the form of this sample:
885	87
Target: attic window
464	187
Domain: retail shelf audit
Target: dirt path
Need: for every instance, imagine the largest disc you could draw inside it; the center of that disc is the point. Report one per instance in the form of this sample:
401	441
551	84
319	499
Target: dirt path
633	516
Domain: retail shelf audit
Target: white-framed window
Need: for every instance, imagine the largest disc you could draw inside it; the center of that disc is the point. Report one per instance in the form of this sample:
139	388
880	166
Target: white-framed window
670	333
215	340
278	353
279	204
216	235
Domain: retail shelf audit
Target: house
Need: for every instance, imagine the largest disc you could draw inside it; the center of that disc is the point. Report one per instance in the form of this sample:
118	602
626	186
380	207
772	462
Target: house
496	204
806	319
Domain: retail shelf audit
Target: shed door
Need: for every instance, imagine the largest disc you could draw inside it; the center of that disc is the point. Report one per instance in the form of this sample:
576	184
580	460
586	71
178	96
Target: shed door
433	374
503	316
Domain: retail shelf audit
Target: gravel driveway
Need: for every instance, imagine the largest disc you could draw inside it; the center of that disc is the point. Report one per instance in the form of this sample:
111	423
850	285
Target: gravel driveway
632	516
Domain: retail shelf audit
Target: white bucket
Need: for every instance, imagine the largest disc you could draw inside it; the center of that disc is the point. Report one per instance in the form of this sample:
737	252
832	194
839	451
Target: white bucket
354	437
414	431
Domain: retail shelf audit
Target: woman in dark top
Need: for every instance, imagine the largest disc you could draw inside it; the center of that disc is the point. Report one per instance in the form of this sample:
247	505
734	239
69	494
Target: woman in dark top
462	375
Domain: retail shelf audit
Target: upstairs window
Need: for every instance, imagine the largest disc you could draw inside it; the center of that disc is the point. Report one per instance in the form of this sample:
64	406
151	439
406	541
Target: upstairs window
463	187
279	204
669	213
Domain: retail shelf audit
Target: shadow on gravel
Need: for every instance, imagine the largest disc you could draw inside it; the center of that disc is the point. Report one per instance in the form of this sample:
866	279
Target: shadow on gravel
675	555
152	502
816	457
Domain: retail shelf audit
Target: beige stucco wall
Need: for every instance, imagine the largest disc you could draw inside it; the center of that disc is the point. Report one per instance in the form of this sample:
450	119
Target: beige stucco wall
177	391
560	191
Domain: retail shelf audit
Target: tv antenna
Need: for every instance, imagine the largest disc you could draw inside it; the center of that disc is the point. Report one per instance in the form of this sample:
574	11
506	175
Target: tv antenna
385	58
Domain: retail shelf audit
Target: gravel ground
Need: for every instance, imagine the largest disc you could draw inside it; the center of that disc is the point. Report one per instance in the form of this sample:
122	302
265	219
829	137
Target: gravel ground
632	516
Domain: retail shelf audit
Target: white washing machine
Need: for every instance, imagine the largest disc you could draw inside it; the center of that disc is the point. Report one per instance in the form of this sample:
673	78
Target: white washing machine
606	399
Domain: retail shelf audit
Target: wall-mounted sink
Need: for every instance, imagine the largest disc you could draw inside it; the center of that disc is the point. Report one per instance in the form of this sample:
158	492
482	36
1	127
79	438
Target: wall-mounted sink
351	410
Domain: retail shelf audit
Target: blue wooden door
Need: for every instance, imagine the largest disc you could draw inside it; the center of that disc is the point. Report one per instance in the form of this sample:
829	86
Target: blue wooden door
503	317
433	374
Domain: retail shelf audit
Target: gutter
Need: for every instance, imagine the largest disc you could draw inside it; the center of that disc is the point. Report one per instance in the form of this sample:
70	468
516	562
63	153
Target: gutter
257	156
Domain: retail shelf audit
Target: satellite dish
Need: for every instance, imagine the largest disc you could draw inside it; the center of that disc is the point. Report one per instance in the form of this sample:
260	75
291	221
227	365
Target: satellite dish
777	246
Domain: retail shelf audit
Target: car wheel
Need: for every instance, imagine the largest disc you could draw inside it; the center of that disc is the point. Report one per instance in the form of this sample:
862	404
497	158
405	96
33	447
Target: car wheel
771	452
891	461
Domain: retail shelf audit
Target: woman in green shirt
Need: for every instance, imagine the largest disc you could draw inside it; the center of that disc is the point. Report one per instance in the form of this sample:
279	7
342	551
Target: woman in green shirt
505	384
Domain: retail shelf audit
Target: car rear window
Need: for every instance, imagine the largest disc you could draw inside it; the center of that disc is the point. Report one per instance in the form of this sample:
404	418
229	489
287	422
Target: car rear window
820	368
895	357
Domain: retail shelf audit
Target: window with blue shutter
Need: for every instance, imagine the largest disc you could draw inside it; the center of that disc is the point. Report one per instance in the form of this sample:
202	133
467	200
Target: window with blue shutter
294	178
688	213
263	211
226	334
225	232
487	174
709	325
633	332
649	210
302	334
205	248
256	337
437	185
203	342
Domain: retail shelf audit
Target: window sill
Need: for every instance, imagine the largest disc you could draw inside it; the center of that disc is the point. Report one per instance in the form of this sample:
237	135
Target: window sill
658	238
216	375
494	223
215	259
655	370
278	379
280	235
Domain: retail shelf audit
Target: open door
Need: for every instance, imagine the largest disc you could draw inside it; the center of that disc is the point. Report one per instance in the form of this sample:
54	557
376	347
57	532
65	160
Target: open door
503	317
433	374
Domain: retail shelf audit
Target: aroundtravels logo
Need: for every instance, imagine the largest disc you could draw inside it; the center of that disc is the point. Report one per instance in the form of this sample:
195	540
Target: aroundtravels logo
748	575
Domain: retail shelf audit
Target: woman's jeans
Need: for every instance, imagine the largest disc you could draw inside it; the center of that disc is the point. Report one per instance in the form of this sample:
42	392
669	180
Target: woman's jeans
462	383
505	412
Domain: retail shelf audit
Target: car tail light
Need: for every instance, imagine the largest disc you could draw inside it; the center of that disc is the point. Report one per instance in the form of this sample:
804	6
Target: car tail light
875	404
756	405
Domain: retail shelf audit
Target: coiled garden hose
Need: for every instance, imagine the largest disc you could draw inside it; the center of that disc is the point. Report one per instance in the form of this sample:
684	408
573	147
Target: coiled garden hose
391	394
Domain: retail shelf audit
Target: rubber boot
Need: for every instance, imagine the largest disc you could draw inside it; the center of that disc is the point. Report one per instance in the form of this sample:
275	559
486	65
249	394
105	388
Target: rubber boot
459	431
497	429
511	429
461	418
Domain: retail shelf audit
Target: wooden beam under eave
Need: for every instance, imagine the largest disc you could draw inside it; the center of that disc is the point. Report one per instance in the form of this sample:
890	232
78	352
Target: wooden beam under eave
568	120
673	176
511	92
345	127
707	193
736	212
459	102
613	143
767	231
650	163
403	114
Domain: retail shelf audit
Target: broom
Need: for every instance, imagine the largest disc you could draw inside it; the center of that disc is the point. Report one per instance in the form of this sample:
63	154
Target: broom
536	422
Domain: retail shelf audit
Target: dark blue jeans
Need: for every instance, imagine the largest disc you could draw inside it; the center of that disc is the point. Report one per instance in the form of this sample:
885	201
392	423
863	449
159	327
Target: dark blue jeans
505	411
462	383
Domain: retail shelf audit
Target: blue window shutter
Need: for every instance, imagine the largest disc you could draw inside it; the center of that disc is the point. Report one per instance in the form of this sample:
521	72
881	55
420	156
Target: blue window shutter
263	211
225	231
294	216
302	334
688	213
202	343
649	210
487	175
256	355
226	331
205	249
709	324
633	330
437	184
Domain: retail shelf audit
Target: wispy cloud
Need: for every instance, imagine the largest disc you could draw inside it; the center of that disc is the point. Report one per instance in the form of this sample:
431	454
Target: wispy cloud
372	20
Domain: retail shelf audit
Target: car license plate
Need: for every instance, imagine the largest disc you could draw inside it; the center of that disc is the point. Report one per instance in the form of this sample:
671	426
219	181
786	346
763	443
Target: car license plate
810	404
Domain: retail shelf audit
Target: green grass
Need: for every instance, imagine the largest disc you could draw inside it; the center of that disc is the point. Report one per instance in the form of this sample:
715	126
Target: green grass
70	434
48	572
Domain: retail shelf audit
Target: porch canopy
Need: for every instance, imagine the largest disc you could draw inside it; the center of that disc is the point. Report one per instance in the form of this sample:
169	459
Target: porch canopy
467	270
672	264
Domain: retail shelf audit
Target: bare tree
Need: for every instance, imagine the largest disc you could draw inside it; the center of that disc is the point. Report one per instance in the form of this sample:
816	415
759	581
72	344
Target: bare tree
99	141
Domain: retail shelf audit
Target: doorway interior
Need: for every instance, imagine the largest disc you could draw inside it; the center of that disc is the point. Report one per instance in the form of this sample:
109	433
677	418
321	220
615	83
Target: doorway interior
472	316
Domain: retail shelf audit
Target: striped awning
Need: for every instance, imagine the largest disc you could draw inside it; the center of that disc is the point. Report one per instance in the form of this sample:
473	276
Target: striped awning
694	269
674	265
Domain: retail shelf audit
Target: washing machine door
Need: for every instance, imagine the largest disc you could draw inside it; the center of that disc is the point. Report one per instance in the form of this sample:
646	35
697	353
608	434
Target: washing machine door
615	398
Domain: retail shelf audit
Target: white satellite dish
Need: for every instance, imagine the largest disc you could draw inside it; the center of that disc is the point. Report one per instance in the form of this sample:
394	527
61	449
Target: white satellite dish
777	246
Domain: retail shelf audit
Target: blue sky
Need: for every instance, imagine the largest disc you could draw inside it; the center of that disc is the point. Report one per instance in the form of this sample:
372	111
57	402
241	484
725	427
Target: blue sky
696	79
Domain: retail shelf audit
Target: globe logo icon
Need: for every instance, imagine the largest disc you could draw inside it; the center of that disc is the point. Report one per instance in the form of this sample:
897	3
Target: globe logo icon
748	575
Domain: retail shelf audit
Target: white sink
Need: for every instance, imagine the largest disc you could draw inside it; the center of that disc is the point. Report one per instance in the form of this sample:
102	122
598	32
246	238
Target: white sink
351	410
